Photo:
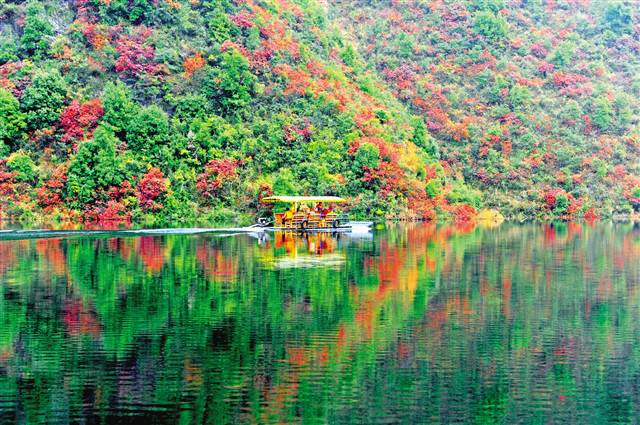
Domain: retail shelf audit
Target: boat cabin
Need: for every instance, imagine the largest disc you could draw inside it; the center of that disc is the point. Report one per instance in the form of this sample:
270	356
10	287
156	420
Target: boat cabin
307	212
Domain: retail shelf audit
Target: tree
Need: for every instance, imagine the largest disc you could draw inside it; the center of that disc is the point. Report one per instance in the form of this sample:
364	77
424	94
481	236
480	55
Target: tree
95	166
491	26
44	99
118	105
229	87
23	167
148	131
36	32
12	120
563	54
79	120
152	189
618	18
217	177
211	136
602	113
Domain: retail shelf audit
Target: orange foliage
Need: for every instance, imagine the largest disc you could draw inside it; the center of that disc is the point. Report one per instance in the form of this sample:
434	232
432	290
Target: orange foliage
193	64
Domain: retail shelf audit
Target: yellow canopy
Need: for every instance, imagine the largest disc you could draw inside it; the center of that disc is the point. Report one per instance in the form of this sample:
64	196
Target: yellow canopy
292	199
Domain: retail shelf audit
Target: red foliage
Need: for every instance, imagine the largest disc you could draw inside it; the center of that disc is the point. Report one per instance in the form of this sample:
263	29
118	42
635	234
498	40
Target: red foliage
388	177
293	134
550	197
135	58
151	188
217	173
95	37
79	120
50	194
464	213
387	152
243	19
545	67
112	211
421	205
591	215
564	80
430	173
6	179
537	49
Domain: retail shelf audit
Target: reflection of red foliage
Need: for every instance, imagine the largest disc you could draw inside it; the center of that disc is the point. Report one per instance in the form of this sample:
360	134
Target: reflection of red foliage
7	256
218	266
51	250
151	251
79	320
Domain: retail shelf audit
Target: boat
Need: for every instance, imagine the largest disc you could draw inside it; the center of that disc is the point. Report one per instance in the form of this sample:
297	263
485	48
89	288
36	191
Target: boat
320	217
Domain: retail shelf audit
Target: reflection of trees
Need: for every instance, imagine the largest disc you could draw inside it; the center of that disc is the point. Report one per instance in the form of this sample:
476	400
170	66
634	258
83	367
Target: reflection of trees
456	322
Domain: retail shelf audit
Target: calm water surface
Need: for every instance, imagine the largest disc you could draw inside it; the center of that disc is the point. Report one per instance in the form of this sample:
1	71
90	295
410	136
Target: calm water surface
417	324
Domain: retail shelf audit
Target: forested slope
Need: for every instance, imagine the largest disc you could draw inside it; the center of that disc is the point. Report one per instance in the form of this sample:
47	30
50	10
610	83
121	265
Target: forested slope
196	109
534	102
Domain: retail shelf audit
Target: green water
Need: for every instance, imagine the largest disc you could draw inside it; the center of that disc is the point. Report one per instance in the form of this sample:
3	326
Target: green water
415	324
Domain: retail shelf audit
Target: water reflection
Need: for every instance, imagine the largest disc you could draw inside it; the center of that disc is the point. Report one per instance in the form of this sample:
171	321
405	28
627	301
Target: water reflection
422	323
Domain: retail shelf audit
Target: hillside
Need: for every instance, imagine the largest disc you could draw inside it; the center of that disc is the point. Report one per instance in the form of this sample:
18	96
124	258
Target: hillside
534	102
176	110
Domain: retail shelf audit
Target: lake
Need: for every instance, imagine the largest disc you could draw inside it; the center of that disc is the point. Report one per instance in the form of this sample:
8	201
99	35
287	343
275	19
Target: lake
534	323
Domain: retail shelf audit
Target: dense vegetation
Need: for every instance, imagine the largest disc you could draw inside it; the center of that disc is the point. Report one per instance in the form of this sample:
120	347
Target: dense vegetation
196	109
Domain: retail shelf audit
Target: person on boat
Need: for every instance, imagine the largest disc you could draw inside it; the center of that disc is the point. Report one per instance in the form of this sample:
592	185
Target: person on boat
288	216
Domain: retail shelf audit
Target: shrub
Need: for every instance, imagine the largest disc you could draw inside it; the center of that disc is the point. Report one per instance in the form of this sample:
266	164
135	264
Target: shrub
44	99
23	166
493	27
151	190
94	167
12	121
36	32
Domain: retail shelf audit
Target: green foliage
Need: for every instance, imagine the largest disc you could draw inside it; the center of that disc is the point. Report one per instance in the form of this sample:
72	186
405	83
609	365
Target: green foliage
562	203
229	87
24	167
218	25
563	54
462	193
44	99
520	96
37	32
349	55
210	137
368	156
488	5
95	166
148	132
8	48
433	188
285	183
12	120
119	107
618	18
493	27
602	113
